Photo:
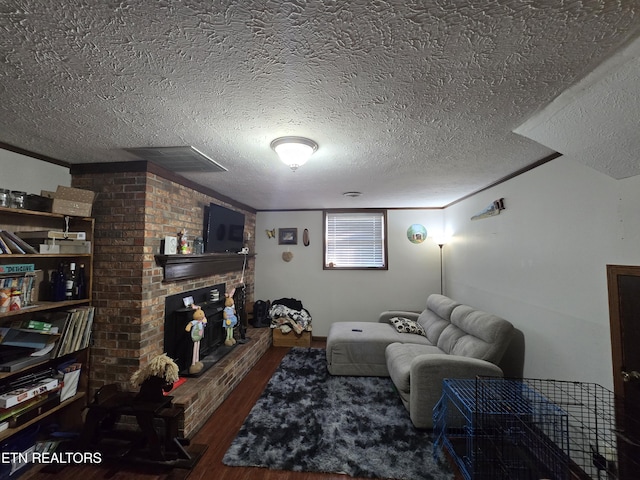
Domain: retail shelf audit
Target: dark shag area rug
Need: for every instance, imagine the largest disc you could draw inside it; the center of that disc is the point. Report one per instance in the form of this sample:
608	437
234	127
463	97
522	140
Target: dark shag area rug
310	421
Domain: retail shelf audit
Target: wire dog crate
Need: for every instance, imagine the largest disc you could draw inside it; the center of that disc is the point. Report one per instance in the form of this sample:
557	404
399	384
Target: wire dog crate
527	429
502	429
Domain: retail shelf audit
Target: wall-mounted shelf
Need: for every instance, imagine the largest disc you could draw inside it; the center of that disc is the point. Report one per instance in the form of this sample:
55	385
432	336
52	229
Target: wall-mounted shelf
181	267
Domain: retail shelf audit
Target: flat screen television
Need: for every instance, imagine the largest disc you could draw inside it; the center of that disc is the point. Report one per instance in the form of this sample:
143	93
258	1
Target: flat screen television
223	230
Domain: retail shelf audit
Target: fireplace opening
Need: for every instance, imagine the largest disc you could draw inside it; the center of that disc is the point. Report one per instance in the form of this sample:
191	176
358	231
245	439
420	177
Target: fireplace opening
177	341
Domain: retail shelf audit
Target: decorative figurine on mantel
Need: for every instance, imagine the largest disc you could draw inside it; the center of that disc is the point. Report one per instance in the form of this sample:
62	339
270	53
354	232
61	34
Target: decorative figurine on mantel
230	318
196	327
183	243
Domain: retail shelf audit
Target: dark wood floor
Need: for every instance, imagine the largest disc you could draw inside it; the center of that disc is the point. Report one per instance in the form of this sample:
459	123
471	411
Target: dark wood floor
217	434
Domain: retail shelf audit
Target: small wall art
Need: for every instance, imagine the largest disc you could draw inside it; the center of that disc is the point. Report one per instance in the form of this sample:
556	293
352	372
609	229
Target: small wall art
416	233
287	236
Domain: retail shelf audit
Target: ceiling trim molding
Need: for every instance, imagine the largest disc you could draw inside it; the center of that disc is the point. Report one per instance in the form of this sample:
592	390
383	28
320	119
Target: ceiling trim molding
150	167
27	153
345	208
517	173
523	170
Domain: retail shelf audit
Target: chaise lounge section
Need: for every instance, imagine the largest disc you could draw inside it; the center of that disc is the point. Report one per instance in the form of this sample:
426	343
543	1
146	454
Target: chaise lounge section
454	341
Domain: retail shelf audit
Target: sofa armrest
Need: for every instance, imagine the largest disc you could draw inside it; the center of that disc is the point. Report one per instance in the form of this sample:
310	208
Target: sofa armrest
427	373
385	316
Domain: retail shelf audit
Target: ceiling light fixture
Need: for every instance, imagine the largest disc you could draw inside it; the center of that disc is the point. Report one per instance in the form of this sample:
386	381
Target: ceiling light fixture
294	151
352	194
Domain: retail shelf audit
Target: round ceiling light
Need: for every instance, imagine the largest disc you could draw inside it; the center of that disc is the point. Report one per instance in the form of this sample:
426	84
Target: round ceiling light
294	151
352	194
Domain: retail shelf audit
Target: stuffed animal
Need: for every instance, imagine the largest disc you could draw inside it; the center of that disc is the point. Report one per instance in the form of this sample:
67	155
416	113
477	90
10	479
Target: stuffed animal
156	377
196	328
230	320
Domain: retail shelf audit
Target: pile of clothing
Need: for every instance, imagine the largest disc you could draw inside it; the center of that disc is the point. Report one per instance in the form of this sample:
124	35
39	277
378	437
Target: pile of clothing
288	314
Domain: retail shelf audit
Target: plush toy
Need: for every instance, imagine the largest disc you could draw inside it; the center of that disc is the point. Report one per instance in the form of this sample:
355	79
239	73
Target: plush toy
156	377
229	317
196	327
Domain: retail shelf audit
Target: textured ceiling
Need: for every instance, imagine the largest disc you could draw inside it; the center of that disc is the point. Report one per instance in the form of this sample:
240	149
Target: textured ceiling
413	103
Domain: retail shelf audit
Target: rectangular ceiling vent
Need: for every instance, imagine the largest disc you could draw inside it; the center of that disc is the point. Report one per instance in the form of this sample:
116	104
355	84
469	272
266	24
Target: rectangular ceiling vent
178	159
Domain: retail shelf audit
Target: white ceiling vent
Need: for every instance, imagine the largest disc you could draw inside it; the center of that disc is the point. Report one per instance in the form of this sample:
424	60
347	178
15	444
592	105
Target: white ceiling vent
178	159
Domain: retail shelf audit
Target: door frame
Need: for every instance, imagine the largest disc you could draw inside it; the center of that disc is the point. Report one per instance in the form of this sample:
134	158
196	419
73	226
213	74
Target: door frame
615	324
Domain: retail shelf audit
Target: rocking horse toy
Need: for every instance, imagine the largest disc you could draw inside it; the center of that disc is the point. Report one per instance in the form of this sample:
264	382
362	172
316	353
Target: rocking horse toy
150	403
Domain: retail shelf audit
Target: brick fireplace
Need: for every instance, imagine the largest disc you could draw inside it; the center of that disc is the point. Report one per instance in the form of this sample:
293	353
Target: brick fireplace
137	205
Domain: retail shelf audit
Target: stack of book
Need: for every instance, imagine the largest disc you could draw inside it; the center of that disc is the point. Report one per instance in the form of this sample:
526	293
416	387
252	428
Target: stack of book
24	282
56	241
11	244
76	330
58	334
29	397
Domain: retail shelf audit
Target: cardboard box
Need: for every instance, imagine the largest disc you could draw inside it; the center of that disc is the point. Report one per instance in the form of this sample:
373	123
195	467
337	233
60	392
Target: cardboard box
291	339
73	201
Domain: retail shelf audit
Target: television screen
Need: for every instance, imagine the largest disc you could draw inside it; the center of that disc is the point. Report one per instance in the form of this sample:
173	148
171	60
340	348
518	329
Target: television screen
223	230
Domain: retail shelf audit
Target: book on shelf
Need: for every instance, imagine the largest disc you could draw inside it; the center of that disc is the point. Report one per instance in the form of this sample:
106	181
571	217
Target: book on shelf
61	321
52	234
77	331
17	269
17	244
43	405
10	244
67	342
38	325
6	413
88	328
19	337
27	392
65	246
24	361
4	248
8	354
26	283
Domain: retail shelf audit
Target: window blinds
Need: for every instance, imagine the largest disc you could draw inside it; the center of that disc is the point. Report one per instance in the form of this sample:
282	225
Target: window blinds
355	240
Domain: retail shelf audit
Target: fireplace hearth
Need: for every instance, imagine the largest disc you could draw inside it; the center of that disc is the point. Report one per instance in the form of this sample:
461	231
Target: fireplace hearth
177	341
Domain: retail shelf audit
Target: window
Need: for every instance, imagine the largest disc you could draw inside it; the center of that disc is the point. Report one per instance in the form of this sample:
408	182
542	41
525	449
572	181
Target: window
355	239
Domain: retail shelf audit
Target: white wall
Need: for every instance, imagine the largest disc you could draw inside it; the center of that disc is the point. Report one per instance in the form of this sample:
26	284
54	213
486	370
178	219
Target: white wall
27	174
331	295
542	262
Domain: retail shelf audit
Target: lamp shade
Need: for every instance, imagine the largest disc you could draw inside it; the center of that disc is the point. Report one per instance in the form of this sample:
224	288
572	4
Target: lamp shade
294	151
441	239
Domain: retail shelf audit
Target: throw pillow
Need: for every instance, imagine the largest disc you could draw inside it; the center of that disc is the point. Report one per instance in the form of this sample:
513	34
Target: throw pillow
406	325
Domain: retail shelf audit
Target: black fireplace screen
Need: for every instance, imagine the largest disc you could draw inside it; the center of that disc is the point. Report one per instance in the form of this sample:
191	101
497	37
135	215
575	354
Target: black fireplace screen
177	341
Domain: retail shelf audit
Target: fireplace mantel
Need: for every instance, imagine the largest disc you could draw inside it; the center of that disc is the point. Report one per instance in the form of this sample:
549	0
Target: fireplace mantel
181	267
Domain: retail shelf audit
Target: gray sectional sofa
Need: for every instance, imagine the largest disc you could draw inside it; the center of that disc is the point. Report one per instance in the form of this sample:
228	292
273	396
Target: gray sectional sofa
453	341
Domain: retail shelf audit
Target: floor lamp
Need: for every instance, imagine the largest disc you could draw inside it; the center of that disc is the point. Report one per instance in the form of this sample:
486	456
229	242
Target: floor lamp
441	241
441	245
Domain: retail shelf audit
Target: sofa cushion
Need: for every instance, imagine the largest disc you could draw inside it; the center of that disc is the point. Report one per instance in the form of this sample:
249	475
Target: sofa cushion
436	316
357	348
476	334
399	358
405	325
449	337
